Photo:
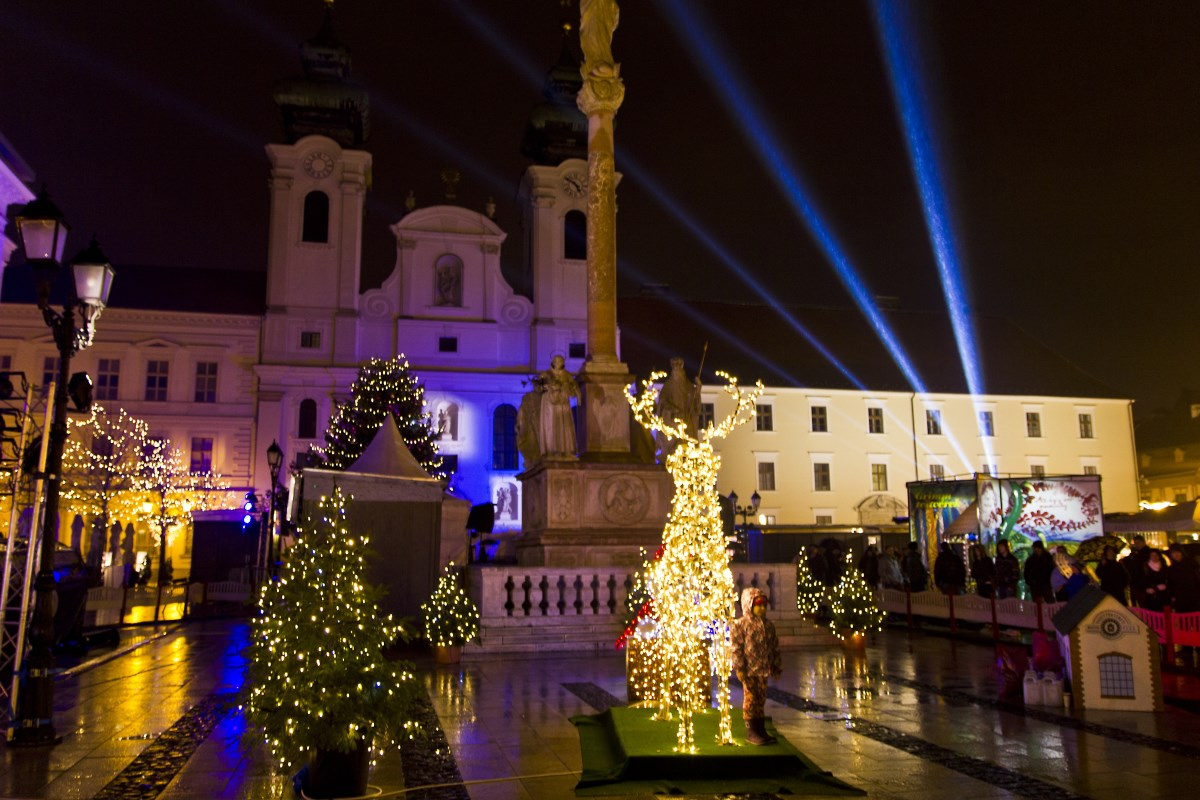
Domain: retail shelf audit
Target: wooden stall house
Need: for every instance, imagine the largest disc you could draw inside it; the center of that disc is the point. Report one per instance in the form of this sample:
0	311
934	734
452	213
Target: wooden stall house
1113	659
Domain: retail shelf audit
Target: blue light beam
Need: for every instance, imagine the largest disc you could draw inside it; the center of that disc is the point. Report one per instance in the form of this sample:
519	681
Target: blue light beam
712	59
896	38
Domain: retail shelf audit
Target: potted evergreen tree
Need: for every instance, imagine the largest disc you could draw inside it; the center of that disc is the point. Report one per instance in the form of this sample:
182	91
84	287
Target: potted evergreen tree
853	610
451	619
318	686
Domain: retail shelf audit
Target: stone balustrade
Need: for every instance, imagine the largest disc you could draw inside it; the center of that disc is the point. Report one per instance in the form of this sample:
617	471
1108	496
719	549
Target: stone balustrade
535	609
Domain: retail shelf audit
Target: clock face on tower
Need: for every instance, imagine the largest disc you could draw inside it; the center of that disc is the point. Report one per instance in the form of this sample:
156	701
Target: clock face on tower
318	165
574	184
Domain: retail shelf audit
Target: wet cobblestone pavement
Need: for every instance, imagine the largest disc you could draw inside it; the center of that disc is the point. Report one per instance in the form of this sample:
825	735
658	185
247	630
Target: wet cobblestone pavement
913	716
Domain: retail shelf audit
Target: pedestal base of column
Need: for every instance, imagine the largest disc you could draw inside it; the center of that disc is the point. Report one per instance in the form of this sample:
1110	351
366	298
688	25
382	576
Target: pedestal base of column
606	422
585	514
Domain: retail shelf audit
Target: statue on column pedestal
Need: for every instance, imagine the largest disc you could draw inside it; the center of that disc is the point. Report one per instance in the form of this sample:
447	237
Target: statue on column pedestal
678	401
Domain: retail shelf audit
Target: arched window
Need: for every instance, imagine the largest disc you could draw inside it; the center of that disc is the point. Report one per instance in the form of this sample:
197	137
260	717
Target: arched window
316	217
504	437
575	235
307	429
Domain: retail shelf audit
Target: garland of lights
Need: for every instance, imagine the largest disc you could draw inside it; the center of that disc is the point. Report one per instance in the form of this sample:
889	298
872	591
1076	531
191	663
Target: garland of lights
382	386
853	608
450	616
690	582
317	677
166	494
100	463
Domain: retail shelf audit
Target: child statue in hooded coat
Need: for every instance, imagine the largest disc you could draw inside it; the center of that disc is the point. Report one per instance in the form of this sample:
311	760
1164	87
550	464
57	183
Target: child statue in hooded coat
756	658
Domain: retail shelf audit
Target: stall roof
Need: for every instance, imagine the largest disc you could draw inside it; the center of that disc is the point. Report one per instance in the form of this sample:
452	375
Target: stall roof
1179	517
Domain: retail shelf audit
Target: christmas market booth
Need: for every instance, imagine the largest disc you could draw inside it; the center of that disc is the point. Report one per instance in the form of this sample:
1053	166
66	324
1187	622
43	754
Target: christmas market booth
1057	510
415	528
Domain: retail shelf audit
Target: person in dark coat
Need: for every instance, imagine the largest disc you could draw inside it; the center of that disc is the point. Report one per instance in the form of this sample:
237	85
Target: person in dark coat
1038	568
1114	578
868	565
1135	565
949	572
1183	580
914	569
983	571
1008	571
1155	594
816	564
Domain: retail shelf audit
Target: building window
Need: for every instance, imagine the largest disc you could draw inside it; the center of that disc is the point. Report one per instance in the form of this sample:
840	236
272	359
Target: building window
986	425
108	378
447	344
824	519
937	472
1033	424
206	381
307	427
1037	470
933	421
1091	469
708	413
766	519
1085	426
874	420
575	235
202	449
50	367
156	380
1116	675
1181	495
879	478
310	340
821	479
987	469
763	421
316	218
820	419
577	350
504	437
766	476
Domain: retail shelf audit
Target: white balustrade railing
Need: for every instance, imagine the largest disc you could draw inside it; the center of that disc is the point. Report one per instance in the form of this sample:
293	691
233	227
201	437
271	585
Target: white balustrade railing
529	593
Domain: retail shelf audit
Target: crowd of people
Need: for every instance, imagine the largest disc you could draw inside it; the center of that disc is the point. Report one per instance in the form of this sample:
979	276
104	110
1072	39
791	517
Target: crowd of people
1146	577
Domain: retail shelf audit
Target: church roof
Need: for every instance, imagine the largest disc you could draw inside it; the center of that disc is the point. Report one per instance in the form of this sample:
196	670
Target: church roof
388	455
557	129
840	350
323	100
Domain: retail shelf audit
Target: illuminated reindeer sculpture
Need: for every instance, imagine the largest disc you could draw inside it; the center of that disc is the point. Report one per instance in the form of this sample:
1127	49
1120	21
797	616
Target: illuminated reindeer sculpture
690	583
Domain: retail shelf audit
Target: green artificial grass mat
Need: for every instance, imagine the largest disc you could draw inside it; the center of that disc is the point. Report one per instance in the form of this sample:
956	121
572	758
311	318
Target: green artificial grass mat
626	752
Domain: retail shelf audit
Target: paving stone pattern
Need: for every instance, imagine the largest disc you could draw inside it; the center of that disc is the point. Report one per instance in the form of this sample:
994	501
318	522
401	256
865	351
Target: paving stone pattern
155	767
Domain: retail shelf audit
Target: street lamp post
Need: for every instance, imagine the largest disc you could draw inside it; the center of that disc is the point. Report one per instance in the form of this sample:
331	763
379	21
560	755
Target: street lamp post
274	462
43	235
745	512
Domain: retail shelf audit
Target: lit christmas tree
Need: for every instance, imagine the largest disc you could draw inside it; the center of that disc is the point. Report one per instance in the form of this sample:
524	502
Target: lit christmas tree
810	592
450	616
382	387
853	606
317	677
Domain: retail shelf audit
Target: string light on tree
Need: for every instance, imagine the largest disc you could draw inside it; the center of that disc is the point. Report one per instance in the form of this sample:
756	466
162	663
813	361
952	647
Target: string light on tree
853	609
810	592
691	583
382	386
317	676
450	616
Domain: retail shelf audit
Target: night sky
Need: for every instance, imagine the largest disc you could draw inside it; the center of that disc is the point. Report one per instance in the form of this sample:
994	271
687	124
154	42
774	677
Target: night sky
1068	141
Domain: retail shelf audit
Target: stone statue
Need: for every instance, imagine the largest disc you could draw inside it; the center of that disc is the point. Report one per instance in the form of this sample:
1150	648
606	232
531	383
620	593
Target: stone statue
529	417
556	432
597	21
679	400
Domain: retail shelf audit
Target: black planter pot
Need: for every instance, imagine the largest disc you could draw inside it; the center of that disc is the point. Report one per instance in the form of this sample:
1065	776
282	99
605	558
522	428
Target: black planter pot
332	774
